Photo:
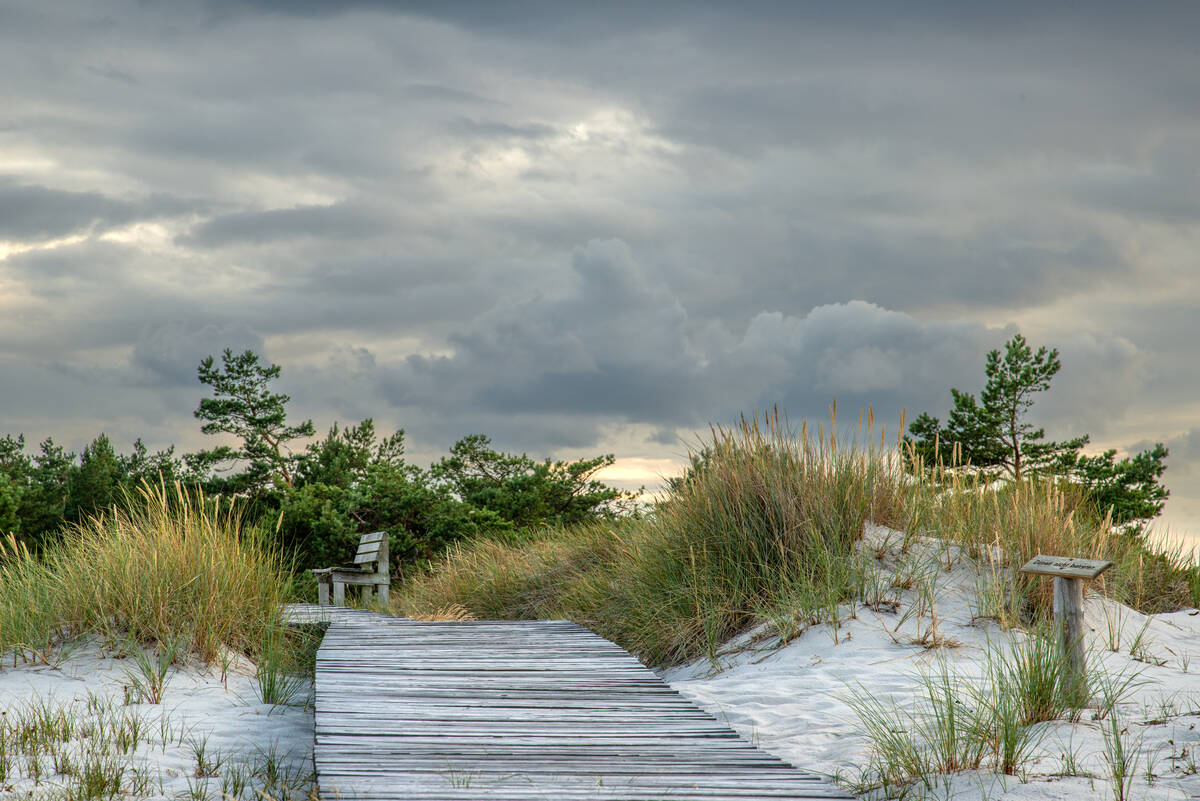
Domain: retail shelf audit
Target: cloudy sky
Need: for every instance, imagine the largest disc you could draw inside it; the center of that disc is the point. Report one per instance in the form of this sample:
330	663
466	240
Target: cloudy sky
586	228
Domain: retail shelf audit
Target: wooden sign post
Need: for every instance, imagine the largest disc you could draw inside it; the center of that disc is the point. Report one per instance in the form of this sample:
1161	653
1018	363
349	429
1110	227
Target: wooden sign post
1069	575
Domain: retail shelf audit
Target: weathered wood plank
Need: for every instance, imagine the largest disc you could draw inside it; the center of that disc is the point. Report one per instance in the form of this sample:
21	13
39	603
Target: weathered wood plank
513	711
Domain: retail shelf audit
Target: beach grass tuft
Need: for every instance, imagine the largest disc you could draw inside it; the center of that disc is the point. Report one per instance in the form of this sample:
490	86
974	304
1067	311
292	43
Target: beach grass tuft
168	569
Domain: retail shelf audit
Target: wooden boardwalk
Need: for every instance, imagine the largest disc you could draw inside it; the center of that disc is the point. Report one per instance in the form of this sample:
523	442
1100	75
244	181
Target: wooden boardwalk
518	710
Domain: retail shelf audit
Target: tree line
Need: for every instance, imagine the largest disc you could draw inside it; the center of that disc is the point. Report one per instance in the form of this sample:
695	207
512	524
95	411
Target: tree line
317	498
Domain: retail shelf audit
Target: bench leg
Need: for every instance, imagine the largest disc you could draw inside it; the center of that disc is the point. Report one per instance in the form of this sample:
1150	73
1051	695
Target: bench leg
322	593
339	593
366	596
383	595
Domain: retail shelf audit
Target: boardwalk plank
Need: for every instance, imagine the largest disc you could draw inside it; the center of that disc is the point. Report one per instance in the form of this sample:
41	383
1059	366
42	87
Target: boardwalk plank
516	711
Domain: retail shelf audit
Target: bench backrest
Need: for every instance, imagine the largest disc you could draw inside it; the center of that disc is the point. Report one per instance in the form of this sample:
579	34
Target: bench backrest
373	547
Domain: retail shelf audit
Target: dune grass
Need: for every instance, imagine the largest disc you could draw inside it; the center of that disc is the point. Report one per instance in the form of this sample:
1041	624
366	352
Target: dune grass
963	722
763	530
166	574
93	749
167	567
1003	526
767	528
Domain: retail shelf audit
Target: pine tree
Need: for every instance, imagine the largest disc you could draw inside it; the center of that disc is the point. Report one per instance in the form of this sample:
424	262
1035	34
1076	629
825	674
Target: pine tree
1129	489
992	432
245	407
94	485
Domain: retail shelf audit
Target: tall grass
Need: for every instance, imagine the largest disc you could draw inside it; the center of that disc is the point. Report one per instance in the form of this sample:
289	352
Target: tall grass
166	567
1003	525
764	529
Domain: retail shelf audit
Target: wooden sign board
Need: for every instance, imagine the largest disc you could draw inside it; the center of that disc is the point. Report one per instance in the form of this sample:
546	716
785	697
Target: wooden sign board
1066	566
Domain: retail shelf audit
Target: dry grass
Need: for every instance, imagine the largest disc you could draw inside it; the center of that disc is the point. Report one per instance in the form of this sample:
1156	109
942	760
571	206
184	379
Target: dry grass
1002	526
454	613
765	529
166	567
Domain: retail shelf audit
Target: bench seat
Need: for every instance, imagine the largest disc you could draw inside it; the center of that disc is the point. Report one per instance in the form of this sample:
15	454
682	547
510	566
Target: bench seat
370	570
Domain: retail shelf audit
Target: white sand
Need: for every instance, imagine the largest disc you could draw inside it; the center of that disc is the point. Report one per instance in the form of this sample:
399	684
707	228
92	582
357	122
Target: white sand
792	701
239	734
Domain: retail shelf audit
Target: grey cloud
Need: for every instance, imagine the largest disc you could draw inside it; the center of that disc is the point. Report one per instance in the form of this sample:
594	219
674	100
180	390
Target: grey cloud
111	73
31	213
439	93
66	272
74	403
1183	459
617	346
171	352
338	221
857	352
614	341
1162	190
490	129
666	435
37	212
820	259
883	109
1184	448
547	18
525	19
102	295
952	166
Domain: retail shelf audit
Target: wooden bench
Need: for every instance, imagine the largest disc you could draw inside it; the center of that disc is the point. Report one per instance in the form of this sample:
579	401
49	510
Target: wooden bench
370	571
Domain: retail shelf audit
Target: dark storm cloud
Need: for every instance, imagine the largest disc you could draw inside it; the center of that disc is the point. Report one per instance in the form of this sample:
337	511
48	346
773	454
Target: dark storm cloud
619	346
37	212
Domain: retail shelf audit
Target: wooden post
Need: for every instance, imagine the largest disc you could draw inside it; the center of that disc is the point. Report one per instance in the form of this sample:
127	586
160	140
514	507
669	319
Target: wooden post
1068	619
383	569
1069	575
322	592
